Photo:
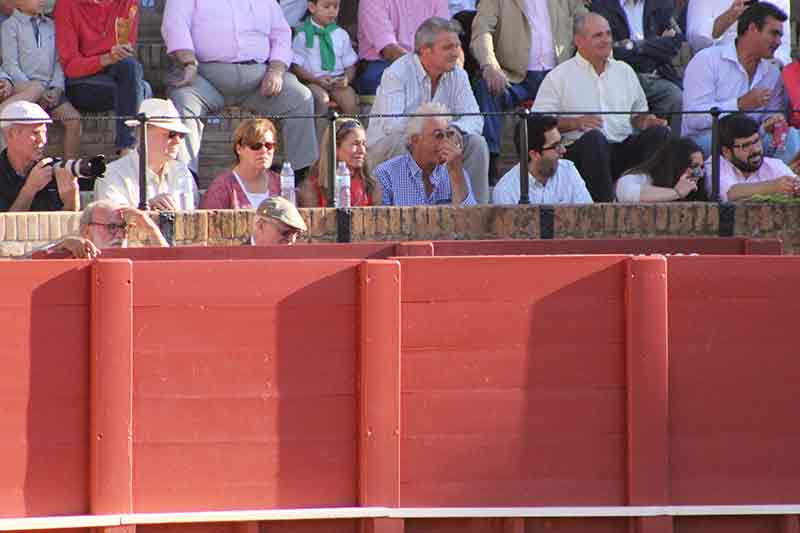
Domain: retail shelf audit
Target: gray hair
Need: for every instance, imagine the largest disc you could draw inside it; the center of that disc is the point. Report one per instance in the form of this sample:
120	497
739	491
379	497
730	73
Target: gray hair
416	123
88	213
580	22
431	28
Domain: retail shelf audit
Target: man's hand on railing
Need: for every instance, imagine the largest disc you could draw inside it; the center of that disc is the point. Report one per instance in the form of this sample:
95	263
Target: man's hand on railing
162	202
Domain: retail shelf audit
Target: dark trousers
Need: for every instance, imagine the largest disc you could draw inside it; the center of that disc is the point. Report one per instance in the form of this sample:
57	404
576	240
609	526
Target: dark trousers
369	76
513	95
119	87
600	161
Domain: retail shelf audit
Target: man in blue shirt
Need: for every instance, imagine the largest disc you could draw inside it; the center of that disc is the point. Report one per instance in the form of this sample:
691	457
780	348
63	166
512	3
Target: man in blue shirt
433	170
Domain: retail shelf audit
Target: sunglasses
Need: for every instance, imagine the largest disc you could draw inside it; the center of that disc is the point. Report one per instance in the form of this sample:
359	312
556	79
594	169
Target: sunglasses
178	134
258	146
113	227
348	125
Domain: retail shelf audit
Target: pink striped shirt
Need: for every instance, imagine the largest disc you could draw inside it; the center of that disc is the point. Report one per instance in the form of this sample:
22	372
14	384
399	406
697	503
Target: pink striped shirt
385	22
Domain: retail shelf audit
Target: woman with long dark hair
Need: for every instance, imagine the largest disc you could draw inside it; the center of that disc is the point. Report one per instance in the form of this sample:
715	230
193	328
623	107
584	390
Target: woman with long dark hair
675	172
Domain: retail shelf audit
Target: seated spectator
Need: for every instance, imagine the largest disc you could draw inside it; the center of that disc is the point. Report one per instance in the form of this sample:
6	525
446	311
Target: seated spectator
790	75
170	185
96	44
551	179
102	225
221	67
386	30
6	9
675	172
430	74
743	169
644	38
294	11
351	147
514	59
601	146
28	181
433	170
31	61
740	76
713	22
277	221
250	181
324	58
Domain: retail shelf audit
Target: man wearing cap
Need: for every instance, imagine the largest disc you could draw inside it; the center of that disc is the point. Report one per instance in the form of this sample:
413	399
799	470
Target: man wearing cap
170	185
277	221
27	183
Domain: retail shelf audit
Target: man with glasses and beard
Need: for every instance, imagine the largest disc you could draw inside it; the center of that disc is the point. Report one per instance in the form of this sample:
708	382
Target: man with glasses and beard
744	171
551	179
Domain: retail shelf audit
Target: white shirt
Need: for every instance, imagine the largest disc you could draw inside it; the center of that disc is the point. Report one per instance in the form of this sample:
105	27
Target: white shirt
543	52
405	86
311	60
121	183
575	86
729	175
715	78
629	187
294	10
255	198
634	12
566	186
457	6
700	19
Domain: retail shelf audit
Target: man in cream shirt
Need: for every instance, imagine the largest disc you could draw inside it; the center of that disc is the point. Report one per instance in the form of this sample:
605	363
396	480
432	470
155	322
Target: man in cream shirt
601	146
551	179
170	185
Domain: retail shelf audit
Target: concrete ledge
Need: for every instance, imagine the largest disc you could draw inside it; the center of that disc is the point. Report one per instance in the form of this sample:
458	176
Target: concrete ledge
20	232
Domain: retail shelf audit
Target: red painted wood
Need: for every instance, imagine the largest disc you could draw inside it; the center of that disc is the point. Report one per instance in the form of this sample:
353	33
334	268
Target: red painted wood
763	247
647	362
379	428
355	250
415	248
790	524
652	524
727	524
382	525
111	364
44	384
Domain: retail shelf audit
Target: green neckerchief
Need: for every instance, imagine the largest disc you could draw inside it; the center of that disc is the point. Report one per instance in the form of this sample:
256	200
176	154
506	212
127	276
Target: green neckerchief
325	42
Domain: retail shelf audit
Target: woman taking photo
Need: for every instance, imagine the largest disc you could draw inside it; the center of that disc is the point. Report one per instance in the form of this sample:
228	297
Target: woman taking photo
250	181
675	172
351	148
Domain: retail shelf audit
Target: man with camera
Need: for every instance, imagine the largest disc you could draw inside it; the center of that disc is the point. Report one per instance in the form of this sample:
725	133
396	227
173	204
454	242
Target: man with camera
28	180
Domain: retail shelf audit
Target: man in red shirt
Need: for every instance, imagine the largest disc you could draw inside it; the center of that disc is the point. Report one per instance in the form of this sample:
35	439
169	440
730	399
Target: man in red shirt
96	41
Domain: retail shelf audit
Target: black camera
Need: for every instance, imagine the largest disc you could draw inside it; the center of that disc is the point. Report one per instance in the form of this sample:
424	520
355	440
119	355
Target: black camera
88	169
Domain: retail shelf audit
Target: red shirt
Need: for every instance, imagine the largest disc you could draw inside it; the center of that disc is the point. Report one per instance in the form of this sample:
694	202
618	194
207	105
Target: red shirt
358	194
86	29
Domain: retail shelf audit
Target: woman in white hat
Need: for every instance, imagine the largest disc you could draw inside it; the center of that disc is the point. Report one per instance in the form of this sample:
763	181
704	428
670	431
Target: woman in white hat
170	185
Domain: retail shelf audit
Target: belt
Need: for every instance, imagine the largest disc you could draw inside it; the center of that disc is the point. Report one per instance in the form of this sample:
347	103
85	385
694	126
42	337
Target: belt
248	62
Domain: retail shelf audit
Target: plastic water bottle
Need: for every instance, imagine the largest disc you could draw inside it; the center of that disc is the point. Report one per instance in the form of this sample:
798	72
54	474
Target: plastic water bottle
287	181
342	192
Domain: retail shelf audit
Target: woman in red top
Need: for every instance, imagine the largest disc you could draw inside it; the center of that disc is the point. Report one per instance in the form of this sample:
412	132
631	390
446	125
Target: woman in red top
351	147
250	181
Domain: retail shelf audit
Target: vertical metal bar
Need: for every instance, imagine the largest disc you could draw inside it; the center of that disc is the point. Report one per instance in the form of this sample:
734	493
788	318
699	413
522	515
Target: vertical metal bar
332	117
523	157
715	153
142	118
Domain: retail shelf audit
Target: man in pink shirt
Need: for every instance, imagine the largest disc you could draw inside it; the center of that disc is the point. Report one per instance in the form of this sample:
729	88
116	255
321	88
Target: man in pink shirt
237	53
386	31
744	171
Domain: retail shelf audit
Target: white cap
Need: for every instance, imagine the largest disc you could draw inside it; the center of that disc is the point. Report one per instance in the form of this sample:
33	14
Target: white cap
164	115
23	113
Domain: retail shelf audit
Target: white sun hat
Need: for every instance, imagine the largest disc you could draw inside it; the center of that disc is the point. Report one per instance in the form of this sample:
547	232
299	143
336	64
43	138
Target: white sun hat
163	113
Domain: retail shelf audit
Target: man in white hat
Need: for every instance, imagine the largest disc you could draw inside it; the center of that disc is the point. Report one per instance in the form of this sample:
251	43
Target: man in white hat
170	185
27	180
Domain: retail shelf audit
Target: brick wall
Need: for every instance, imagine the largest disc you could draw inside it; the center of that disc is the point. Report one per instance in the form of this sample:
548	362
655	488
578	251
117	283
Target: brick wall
20	232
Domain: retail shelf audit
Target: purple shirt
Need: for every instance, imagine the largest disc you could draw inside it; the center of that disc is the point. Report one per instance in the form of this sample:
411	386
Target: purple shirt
729	175
385	22
228	31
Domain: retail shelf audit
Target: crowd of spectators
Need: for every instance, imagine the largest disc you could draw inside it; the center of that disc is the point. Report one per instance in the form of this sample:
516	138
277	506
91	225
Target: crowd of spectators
602	78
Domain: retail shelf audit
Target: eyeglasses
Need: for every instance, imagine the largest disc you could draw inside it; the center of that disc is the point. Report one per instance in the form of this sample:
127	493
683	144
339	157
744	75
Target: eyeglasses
747	145
112	227
178	134
555	146
284	230
258	146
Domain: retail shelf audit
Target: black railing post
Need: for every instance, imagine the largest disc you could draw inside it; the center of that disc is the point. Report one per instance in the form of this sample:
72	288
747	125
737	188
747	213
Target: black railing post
142	118
332	117
715	153
524	198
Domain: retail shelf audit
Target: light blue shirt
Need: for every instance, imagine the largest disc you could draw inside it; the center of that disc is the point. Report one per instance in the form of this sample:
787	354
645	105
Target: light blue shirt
715	78
401	180
566	186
